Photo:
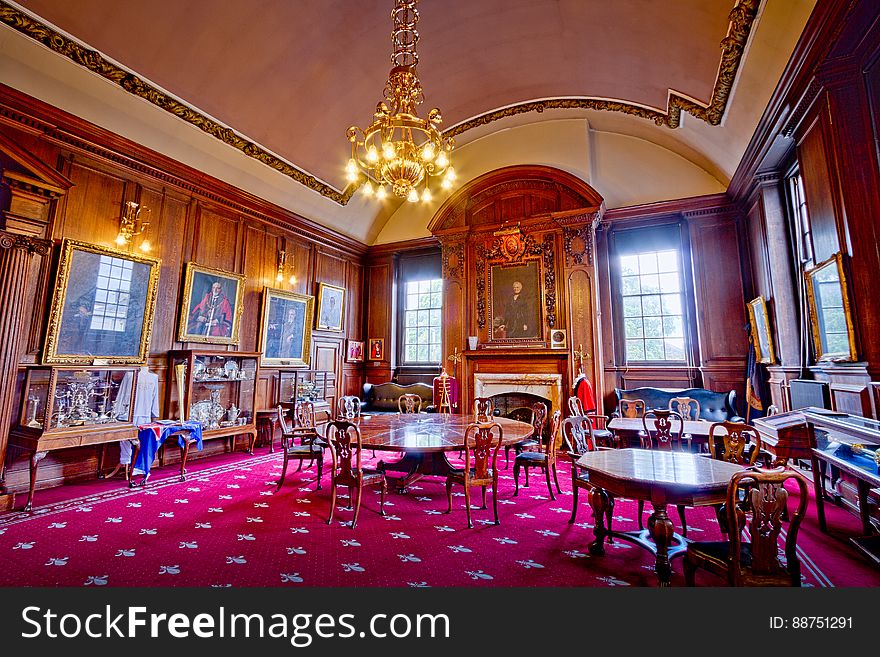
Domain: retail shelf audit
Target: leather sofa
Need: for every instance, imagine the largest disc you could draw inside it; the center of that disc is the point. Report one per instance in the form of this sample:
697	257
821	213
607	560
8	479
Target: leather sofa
714	406
382	397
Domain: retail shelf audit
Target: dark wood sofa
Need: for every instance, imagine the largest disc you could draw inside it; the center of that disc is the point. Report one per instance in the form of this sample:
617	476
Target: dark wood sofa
382	397
714	406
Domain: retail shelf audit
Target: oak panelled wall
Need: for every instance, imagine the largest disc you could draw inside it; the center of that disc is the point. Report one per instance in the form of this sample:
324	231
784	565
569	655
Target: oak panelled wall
822	123
192	218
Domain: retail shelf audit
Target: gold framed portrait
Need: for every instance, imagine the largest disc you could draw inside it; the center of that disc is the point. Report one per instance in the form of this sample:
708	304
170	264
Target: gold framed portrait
830	314
286	328
102	306
331	307
762	338
213	301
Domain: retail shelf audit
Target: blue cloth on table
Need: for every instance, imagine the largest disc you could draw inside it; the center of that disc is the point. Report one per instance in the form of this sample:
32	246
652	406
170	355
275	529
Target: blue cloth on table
152	436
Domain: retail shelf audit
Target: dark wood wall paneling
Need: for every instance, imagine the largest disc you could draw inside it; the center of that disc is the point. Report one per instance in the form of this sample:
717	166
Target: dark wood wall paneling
826	112
714	288
192	218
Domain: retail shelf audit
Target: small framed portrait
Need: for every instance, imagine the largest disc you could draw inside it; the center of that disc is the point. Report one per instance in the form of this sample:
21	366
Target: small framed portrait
286	328
354	351
377	349
331	305
761	336
557	339
102	306
516	302
212	304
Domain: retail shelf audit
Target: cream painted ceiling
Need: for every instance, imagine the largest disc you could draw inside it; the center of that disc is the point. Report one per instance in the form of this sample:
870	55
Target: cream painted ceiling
292	75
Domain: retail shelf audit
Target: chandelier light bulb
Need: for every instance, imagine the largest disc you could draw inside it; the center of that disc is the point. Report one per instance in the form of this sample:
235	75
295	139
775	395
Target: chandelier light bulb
368	188
450	174
428	152
381	193
388	151
413	196
351	167
442	160
372	155
446	184
426	195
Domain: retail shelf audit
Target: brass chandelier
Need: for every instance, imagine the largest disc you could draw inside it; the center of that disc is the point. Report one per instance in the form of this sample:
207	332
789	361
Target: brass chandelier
399	151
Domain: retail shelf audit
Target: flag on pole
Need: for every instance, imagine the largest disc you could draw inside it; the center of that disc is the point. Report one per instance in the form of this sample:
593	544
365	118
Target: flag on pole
757	394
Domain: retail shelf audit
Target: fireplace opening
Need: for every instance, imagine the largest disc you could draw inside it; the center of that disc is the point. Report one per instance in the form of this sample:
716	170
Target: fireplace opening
518	406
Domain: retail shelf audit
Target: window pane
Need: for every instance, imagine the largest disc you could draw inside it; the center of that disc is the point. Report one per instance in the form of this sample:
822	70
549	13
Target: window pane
435	317
435	352
632	328
423	352
651	305
672	327
635	350
411	352
630	285
671	304
654	350
674	348
437	285
648	263
412	301
653	327
632	306
668	261
669	282
629	265
650	284
435	335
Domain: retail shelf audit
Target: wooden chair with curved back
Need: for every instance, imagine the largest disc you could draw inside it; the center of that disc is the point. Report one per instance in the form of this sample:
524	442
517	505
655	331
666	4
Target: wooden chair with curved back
689	409
755	562
482	440
577	434
348	407
632	408
538	412
544	460
662	435
736	437
344	438
601	434
311	445
484	409
409	403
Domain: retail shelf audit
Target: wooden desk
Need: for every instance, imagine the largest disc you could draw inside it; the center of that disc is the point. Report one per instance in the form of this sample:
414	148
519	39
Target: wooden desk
424	439
661	478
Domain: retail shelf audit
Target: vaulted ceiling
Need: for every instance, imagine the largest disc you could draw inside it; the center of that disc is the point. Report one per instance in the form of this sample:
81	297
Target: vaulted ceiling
289	76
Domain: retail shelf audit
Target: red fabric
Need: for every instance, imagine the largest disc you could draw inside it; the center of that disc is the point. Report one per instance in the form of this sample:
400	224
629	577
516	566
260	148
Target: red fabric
227	526
583	390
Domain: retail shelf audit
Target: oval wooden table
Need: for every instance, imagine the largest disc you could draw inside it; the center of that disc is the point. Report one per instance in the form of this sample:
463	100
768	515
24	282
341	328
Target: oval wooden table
661	478
424	439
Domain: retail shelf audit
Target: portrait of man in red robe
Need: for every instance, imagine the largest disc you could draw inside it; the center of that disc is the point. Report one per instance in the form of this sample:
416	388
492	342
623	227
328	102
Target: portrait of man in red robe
213	315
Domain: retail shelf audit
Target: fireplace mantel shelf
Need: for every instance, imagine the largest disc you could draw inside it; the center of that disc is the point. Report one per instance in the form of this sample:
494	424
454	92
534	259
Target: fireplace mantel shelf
496	352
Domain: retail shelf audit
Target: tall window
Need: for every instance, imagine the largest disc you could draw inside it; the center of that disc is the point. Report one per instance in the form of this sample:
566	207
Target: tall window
422	317
112	293
801	217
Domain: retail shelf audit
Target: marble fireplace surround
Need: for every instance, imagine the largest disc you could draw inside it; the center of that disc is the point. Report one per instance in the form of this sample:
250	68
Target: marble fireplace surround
548	386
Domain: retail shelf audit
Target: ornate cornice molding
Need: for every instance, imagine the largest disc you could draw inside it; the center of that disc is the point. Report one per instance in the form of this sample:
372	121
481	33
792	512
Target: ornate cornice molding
741	17
25	242
94	62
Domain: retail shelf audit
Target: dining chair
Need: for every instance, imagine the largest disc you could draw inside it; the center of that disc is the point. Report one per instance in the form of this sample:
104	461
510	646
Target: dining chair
344	438
482	440
409	403
348	407
544	460
538	420
661	434
740	444
311	445
484	409
633	408
577	435
689	409
602	434
756	561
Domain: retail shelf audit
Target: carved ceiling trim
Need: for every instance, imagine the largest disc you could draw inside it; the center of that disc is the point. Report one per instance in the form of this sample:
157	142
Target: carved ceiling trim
741	17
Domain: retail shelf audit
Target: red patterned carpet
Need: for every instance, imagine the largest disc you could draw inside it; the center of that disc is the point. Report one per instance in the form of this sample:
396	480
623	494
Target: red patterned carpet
226	526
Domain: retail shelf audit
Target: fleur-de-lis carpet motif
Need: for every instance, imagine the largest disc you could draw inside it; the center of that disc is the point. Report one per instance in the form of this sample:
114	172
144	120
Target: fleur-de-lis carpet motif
101	533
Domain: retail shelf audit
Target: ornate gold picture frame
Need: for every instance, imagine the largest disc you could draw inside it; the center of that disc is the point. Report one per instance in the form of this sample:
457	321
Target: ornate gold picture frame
830	314
102	306
213	301
286	328
762	337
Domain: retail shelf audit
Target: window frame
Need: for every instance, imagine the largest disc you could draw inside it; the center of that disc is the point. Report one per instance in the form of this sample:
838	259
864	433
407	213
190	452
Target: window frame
403	327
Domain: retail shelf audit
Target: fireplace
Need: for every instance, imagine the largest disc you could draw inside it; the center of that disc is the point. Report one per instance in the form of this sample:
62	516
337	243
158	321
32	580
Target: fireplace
547	387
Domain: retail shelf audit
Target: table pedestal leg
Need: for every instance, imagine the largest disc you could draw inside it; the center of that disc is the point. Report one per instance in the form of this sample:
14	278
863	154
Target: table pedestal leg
600	501
662	531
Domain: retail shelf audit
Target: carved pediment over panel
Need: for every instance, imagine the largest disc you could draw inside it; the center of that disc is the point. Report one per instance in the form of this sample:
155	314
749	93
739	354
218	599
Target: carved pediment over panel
515	193
578	245
453	260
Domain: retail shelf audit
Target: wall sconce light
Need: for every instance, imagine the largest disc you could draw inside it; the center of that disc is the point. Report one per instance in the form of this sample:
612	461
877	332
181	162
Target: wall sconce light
131	226
282	269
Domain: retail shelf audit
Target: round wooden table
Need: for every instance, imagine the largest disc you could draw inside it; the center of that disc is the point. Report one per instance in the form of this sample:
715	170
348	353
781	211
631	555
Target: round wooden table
661	478
424	439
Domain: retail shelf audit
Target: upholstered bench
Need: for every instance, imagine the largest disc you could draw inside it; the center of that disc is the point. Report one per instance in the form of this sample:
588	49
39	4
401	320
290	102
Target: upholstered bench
382	397
714	406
